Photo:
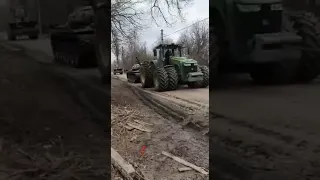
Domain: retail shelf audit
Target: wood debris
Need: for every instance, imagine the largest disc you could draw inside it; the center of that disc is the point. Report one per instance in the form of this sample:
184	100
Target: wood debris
139	127
122	165
183	169
188	164
128	127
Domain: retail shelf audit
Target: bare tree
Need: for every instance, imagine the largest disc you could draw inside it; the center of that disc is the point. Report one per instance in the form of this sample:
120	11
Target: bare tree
196	39
129	14
115	47
134	48
159	8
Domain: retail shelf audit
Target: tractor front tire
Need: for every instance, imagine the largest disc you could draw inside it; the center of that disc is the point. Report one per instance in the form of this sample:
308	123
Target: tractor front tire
173	79
205	82
160	79
283	72
146	75
306	25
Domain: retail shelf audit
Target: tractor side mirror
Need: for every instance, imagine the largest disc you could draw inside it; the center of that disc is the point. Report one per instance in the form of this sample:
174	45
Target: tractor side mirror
188	51
154	53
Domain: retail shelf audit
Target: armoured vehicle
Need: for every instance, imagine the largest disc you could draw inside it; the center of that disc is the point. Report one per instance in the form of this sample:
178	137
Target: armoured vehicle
73	42
20	25
261	37
170	69
133	75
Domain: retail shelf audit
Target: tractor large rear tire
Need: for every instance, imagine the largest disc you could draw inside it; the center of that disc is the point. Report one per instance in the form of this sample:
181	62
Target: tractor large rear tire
146	78
173	79
160	79
306	25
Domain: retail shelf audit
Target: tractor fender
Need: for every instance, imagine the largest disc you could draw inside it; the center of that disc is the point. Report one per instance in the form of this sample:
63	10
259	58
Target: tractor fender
153	63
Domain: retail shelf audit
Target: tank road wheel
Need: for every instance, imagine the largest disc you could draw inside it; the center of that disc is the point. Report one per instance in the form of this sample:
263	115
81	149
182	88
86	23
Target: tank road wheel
75	60
160	79
306	26
173	79
55	56
58	56
146	75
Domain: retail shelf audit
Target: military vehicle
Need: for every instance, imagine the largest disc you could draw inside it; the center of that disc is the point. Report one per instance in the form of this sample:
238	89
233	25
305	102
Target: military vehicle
261	37
73	42
117	71
133	75
83	40
170	69
20	25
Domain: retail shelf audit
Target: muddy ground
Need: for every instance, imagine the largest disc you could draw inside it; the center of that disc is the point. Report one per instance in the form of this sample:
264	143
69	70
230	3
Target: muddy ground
44	132
269	132
167	135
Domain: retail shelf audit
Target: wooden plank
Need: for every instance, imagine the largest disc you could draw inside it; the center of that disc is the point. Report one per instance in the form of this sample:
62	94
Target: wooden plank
185	169
139	127
125	168
197	168
143	123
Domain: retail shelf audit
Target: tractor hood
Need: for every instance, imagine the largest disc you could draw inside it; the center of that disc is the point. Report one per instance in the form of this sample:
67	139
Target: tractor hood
257	1
184	60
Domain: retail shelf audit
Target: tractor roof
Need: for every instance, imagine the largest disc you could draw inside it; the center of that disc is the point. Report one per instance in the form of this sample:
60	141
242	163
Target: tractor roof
169	46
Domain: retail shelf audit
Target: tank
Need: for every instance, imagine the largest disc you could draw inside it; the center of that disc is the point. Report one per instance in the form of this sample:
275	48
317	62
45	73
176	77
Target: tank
72	43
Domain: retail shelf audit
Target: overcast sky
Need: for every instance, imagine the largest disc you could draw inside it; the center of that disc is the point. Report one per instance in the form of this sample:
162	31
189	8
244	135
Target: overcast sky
198	10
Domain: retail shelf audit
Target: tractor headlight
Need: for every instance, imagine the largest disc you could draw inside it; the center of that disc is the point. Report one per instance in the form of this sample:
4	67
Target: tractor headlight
248	8
276	7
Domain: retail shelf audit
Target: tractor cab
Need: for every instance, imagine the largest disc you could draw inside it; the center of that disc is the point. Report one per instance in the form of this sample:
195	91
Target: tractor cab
166	52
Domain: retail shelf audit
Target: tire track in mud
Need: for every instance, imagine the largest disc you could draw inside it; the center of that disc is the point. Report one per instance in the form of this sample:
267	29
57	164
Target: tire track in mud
266	150
289	139
180	112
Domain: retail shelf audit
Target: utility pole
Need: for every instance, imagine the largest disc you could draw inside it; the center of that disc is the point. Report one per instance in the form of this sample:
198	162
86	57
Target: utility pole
122	56
162	49
161	36
39	16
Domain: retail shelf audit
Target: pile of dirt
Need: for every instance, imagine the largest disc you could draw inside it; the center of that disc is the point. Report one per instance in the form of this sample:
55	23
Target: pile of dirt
44	133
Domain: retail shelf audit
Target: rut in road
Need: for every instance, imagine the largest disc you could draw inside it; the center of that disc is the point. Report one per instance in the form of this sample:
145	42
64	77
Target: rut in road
167	135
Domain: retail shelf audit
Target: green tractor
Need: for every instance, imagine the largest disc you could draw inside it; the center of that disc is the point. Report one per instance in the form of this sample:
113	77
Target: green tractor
262	38
171	69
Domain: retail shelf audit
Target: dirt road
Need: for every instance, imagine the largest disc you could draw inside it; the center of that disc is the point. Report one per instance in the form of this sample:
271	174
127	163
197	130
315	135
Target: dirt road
270	132
199	95
44	132
168	134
